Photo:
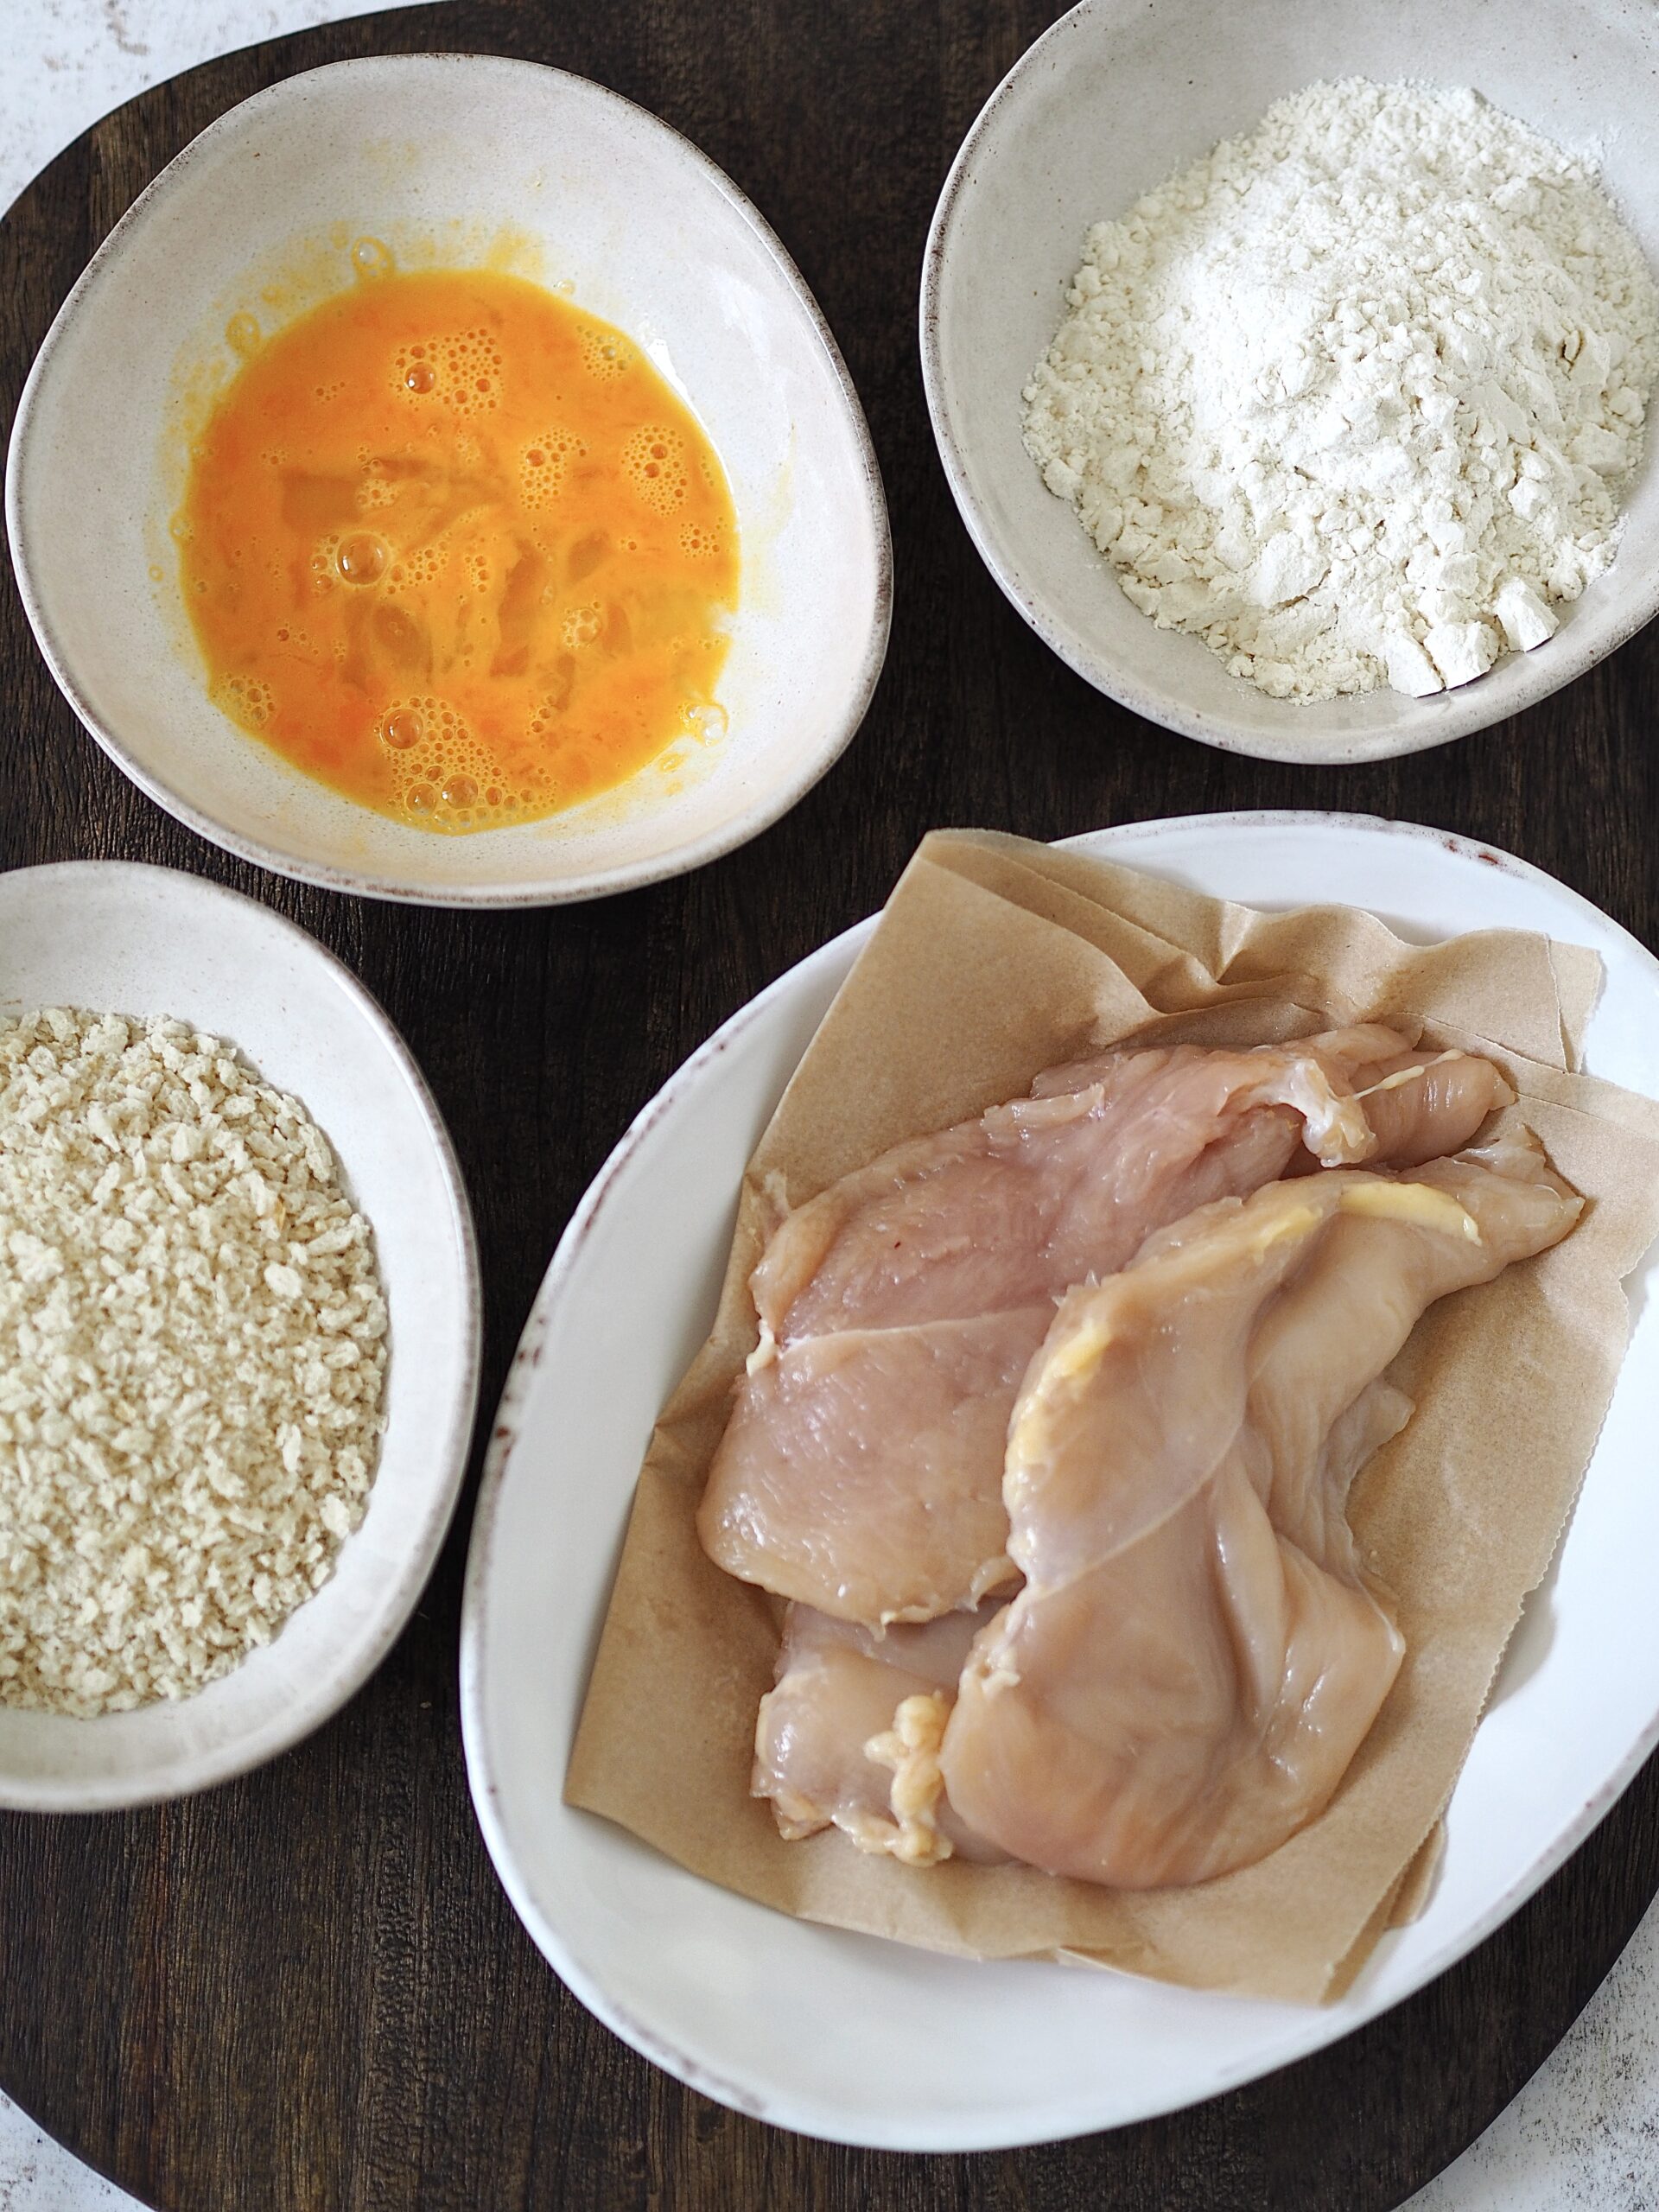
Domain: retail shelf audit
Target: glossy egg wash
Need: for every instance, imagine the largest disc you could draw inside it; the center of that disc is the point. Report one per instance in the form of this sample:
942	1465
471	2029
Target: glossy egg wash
452	546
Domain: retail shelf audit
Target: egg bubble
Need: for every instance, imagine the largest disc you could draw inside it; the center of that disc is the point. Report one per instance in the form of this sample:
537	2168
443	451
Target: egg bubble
370	258
361	559
408	722
581	625
414	372
242	335
606	355
450	780
460	368
653	460
545	463
248	700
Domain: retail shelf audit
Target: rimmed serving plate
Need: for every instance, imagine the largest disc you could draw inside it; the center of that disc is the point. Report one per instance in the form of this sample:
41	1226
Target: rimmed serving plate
864	2042
114	936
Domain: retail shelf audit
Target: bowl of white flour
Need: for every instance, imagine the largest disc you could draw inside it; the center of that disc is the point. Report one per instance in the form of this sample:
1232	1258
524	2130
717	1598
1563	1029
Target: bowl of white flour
1293	370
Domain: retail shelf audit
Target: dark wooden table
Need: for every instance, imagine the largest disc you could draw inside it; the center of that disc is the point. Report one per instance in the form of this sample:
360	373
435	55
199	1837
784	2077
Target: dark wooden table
306	1989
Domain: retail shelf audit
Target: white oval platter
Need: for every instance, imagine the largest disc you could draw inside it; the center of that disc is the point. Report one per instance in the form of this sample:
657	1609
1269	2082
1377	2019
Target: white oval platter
859	2040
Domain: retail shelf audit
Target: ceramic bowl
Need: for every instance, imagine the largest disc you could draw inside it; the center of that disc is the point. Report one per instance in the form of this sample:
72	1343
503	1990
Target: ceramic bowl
1118	96
451	157
862	2041
117	938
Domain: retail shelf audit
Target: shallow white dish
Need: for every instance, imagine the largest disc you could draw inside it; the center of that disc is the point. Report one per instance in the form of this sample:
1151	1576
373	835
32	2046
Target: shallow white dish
121	938
450	153
865	2041
1111	100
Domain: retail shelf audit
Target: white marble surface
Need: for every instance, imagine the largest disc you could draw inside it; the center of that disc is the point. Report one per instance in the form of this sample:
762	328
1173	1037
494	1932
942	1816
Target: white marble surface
37	2176
69	61
1583	2136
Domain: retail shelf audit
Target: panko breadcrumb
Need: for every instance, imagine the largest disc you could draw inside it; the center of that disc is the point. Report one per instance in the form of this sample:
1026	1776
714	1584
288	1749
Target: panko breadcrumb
193	1352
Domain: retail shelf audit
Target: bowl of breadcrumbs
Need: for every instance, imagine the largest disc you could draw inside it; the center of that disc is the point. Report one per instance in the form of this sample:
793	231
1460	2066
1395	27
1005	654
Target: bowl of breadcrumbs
238	1335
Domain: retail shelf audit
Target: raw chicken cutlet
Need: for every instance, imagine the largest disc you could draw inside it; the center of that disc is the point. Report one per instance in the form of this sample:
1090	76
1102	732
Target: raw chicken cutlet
1196	1656
850	1735
860	1471
1186	1677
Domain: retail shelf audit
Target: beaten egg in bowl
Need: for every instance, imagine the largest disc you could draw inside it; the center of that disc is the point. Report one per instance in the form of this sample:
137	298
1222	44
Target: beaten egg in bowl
452	546
456	167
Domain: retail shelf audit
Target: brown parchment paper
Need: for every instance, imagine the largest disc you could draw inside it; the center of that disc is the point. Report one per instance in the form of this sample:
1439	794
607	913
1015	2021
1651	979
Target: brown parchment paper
996	958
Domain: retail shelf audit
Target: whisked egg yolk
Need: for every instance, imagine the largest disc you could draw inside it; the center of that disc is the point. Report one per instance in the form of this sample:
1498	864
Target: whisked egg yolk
452	546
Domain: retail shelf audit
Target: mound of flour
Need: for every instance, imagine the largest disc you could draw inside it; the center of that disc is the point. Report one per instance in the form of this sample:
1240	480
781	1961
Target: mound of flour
1354	399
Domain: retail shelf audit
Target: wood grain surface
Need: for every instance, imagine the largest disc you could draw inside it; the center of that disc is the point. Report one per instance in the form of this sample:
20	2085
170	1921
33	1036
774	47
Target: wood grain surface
306	1989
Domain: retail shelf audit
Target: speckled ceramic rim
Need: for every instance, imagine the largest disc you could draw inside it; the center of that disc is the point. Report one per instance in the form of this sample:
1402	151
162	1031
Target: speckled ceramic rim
552	890
1459	716
1319	2028
201	1770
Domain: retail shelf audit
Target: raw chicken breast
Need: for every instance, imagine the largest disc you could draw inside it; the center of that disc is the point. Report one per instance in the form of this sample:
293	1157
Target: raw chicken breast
1421	1108
861	1471
1195	1657
1033	1197
853	1471
850	1735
